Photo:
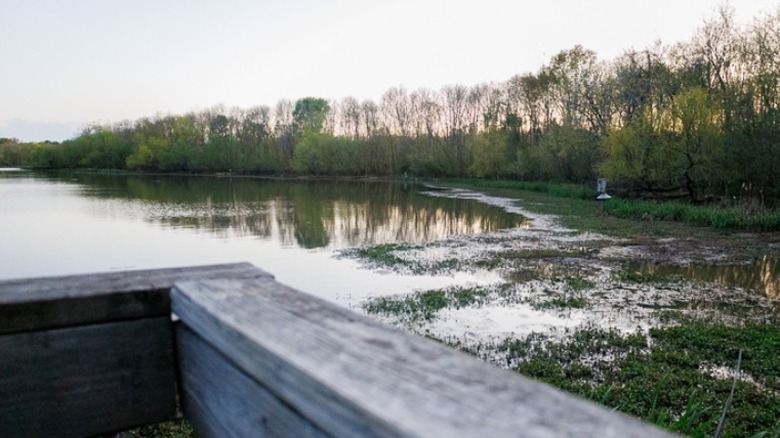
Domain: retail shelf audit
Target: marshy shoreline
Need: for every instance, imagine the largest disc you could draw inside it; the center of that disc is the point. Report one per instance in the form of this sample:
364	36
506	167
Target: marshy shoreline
648	317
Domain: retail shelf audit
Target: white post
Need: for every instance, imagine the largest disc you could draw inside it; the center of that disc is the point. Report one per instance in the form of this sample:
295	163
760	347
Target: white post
601	189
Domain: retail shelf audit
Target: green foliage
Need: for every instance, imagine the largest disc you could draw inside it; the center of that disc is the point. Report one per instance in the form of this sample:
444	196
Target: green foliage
309	115
425	305
491	154
325	154
565	153
384	255
558	190
420	306
644	277
15	154
561	301
570	298
702	215
676	147
639	152
669	380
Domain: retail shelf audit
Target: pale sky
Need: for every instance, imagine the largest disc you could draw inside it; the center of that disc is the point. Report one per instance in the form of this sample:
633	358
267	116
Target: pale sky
65	63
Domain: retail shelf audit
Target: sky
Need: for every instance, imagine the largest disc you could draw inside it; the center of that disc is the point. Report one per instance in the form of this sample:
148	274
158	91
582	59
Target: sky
68	63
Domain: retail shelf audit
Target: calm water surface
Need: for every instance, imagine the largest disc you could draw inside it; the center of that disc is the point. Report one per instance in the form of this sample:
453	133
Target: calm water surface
77	223
762	274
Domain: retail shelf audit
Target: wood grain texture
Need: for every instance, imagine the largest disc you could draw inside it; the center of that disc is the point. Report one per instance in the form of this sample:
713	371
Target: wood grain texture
351	376
44	303
89	380
220	400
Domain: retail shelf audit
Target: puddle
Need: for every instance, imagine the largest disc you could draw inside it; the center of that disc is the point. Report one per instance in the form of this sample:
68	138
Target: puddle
761	275
495	322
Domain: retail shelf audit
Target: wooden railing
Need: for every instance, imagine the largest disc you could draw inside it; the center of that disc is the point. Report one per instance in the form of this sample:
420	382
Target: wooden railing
247	356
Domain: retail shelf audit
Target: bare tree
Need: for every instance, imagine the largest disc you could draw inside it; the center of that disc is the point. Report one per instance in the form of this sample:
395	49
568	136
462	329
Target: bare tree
397	110
350	117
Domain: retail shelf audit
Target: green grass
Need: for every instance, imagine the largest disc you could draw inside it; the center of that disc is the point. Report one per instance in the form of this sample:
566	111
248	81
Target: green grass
563	301
385	255
425	305
657	377
571	297
382	255
419	306
645	277
581	199
558	190
732	218
586	215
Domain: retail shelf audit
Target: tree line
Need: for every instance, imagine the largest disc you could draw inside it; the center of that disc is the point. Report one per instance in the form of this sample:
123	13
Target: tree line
699	118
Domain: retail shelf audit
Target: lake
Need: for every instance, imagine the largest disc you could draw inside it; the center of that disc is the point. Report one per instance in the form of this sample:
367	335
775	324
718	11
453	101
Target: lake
69	223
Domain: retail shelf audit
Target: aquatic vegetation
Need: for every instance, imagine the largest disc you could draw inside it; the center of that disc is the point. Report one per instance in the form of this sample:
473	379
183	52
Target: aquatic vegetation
634	276
424	305
579	283
561	302
382	255
421	305
664	376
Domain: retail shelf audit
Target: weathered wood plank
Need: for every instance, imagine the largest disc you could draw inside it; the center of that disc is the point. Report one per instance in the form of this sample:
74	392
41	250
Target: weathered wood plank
351	376
43	303
89	380
220	400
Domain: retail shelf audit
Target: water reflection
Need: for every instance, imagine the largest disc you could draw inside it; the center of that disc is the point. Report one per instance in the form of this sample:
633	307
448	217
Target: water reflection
762	274
309	214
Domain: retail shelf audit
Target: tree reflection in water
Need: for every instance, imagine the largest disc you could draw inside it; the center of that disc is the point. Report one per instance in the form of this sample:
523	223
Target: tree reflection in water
762	274
306	213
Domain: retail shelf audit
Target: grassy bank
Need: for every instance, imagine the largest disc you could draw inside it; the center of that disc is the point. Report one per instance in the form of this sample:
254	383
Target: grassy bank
718	217
558	190
726	218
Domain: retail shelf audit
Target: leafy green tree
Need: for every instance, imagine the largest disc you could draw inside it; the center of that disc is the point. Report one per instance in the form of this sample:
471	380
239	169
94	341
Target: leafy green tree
638	154
148	153
564	153
103	149
309	115
327	154
698	142
491	154
679	147
47	155
221	154
13	153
